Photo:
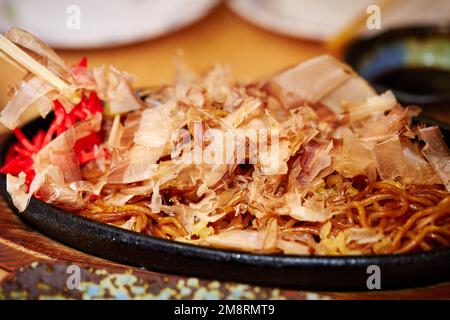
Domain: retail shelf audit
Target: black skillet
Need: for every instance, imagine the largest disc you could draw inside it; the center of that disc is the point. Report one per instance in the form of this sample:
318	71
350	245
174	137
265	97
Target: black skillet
306	272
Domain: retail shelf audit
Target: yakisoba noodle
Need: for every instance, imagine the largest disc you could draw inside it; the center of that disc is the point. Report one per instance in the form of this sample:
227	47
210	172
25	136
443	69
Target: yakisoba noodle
350	175
414	219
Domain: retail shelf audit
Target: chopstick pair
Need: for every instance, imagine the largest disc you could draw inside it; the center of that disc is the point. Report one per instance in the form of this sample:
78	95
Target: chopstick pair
14	55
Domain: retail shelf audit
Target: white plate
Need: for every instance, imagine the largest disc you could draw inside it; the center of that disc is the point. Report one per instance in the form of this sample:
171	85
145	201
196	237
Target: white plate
311	19
102	22
321	19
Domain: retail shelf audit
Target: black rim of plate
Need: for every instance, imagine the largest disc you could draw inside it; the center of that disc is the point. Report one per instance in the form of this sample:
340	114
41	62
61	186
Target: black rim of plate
167	256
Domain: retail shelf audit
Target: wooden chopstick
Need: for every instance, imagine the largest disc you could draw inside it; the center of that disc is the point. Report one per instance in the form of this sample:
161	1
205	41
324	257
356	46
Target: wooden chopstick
11	61
17	57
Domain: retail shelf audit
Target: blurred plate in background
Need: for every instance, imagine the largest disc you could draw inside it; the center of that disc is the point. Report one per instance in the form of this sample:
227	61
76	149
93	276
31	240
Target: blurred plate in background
316	20
319	20
103	23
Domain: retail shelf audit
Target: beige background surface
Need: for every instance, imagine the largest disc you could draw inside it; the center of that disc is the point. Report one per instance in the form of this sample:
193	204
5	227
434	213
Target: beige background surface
221	37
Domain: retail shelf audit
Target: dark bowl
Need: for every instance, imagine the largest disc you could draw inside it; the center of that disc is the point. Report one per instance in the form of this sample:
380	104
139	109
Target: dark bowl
413	62
306	272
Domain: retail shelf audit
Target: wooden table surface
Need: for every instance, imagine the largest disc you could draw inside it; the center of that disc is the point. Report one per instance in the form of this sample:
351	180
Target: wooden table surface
34	266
